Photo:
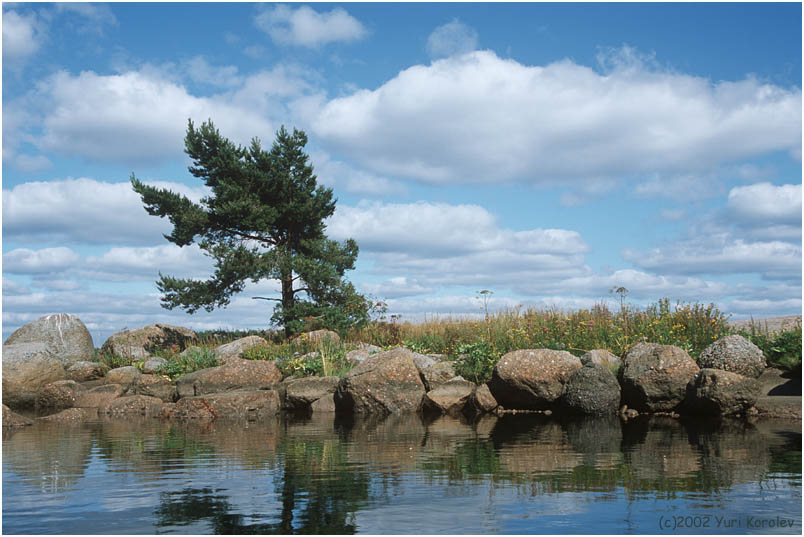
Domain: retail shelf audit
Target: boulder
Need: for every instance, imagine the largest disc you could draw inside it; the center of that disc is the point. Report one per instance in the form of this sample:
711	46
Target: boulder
449	398
356	356
735	354
12	419
241	404
654	377
386	383
601	357
84	371
718	392
234	350
422	361
372	349
481	402
154	386
141	405
125	376
317	336
139	344
302	393
64	335
532	379
58	395
26	368
437	374
592	390
153	365
233	375
100	396
71	415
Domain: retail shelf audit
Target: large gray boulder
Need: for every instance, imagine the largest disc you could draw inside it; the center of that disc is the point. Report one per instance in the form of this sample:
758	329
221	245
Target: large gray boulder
735	354
481	402
437	374
233	375
234	350
309	394
125	376
532	379
449	398
385	383
154	386
12	419
592	390
718	392
317	336
154	365
26	368
141	343
601	357
654	377
84	371
64	336
99	396
58	395
241	404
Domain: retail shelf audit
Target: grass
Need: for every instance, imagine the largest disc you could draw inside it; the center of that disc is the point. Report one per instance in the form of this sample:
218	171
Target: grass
477	345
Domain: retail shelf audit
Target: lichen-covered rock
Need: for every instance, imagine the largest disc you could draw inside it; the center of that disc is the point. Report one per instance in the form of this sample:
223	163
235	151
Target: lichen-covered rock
532	379
356	356
84	371
317	336
601	357
654	377
235	349
250	405
591	390
71	415
718	392
422	361
481	402
153	365
58	395
449	398
26	368
99	396
735	354
64	335
154	386
437	374
385	383
233	375
140	405
141	343
125	376
12	419
301	394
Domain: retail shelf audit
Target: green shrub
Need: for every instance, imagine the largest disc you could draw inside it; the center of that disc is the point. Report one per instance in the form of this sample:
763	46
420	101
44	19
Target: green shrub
476	361
112	361
781	349
191	360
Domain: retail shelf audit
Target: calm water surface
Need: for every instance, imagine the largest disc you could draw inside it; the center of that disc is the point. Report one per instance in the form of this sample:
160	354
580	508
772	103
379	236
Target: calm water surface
516	474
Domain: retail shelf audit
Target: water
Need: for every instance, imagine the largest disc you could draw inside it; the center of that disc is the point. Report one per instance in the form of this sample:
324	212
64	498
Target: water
516	474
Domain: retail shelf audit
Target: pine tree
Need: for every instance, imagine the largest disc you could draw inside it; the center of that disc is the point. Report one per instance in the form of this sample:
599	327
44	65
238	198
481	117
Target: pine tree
264	219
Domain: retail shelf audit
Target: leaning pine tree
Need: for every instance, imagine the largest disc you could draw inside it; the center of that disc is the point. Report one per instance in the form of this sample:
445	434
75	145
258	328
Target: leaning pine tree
264	219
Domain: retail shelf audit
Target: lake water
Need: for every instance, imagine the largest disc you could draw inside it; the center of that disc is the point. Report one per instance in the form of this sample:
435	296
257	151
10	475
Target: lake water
514	474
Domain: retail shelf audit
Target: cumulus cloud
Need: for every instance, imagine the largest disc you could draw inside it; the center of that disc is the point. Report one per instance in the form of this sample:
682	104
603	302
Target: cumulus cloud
340	175
83	211
766	203
125	263
306	27
22	35
452	38
479	118
130	117
47	260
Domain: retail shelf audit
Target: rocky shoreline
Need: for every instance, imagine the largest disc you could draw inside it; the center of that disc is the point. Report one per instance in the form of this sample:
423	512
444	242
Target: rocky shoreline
45	369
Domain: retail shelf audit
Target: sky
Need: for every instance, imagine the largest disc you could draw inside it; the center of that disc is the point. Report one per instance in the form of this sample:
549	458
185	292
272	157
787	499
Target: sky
547	153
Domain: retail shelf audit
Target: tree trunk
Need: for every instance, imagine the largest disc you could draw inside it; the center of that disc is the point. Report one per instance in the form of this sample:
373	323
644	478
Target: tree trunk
287	300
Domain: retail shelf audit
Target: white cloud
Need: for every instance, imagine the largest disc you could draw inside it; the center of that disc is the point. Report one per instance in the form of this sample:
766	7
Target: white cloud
131	117
338	174
96	16
451	39
47	260
766	204
83	211
673	215
200	70
306	27
479	118
124	263
11	288
722	255
22	36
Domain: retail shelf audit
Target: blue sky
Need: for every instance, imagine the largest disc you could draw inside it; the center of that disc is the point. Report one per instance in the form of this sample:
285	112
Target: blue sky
545	152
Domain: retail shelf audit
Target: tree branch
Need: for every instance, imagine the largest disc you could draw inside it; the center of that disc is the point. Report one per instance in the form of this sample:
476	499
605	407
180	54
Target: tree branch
300	289
265	298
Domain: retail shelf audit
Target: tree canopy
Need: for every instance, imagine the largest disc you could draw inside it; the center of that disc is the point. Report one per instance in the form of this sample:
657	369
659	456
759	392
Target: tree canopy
264	219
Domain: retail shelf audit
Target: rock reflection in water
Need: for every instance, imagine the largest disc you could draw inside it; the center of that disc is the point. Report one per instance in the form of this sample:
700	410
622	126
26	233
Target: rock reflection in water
318	474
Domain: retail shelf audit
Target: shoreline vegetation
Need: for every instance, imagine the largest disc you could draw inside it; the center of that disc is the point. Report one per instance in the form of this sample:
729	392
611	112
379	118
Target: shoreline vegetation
475	346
